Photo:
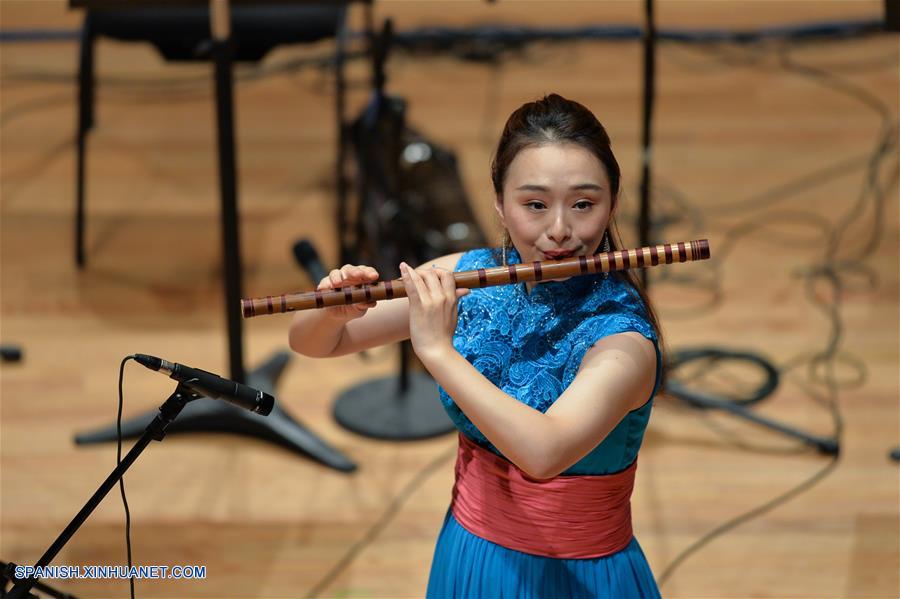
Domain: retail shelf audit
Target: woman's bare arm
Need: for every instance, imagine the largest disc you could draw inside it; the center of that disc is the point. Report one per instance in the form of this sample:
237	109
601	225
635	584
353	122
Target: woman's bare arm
617	375
318	334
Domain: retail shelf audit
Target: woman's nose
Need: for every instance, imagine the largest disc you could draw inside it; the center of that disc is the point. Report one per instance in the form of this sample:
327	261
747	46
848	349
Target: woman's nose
559	230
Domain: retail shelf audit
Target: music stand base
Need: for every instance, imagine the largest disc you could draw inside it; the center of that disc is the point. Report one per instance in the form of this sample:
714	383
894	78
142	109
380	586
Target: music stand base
382	410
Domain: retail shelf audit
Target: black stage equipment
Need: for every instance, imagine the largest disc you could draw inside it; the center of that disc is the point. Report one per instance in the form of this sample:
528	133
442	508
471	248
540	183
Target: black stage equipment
211	385
411	206
892	15
308	258
434	197
739	406
204	30
10	353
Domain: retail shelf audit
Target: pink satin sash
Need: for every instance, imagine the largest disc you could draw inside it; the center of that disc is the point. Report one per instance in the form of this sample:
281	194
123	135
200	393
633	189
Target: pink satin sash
570	517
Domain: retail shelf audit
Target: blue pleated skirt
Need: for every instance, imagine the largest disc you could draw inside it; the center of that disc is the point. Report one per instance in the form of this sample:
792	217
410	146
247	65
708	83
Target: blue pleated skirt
467	566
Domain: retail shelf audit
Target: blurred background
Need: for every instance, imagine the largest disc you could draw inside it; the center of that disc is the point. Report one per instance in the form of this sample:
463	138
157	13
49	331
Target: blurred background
774	135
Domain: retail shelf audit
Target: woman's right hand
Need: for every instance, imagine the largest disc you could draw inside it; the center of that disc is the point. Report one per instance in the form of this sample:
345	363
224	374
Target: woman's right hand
346	276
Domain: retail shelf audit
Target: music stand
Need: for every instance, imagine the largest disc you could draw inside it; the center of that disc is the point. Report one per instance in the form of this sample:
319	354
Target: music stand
205	415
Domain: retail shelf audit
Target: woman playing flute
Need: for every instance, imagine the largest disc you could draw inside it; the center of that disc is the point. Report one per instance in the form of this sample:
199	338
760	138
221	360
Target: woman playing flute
550	384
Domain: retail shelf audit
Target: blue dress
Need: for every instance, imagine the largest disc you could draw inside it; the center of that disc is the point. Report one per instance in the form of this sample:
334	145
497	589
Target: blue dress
530	345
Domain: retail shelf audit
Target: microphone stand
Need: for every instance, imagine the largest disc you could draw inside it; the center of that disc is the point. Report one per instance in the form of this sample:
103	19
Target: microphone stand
154	432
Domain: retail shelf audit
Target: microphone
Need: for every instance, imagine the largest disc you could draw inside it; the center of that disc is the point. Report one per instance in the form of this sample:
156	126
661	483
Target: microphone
307	256
211	385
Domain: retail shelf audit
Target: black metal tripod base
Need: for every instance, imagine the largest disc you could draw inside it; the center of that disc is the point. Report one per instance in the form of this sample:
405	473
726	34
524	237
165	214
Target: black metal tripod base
207	415
707	401
381	409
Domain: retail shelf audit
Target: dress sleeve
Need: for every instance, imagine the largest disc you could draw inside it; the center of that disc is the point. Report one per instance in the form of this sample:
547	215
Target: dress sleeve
472	259
623	312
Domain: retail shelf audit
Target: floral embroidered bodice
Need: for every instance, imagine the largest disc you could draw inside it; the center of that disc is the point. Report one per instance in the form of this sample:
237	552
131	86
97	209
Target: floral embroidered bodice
531	344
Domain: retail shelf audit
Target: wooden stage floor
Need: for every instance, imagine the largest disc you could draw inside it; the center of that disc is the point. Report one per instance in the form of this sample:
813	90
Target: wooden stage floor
765	149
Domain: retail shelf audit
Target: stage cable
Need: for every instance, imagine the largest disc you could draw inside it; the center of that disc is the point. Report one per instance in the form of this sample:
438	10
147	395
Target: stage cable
122	478
383	520
829	272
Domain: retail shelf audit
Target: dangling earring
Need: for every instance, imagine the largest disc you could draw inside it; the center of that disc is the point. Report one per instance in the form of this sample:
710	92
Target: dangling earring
506	241
604	247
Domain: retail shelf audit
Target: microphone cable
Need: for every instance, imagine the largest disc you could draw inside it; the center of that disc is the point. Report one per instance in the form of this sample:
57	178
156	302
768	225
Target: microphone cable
122	478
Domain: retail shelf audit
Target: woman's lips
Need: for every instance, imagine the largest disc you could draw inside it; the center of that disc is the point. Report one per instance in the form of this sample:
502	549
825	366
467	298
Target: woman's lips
558	255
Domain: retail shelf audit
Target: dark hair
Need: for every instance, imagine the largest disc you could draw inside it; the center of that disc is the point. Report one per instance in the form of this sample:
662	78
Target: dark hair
554	119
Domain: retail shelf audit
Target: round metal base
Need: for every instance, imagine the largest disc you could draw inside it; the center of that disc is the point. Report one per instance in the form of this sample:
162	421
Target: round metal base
380	410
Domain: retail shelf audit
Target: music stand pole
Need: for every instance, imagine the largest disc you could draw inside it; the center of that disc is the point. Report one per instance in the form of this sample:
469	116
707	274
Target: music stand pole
647	132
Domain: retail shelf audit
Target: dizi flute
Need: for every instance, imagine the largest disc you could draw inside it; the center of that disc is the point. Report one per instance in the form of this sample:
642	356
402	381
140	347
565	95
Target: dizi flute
486	277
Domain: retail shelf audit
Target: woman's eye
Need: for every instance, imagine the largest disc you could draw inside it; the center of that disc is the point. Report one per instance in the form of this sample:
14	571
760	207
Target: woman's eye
535	205
583	205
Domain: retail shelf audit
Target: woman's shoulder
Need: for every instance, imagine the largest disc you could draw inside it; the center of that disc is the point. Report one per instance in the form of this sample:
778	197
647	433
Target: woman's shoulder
617	306
478	258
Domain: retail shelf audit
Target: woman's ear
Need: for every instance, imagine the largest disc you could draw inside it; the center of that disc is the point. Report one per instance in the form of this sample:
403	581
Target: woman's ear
498	206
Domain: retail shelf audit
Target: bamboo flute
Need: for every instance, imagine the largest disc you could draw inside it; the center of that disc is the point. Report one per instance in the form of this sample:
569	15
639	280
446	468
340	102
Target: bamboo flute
486	277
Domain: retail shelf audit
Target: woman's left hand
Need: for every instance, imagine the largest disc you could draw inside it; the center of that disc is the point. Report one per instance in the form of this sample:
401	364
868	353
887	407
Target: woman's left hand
433	300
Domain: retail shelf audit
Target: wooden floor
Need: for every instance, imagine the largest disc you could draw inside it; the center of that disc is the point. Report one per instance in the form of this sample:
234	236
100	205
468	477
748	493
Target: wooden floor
762	149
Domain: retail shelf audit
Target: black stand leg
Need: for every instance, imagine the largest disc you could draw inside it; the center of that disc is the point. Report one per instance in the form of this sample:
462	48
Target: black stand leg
156	430
741	408
709	402
206	415
85	122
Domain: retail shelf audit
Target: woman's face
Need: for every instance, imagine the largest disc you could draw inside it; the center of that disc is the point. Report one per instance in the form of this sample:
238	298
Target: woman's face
556	202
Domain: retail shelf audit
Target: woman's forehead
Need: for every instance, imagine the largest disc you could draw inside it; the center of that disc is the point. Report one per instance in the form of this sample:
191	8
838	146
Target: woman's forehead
556	163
